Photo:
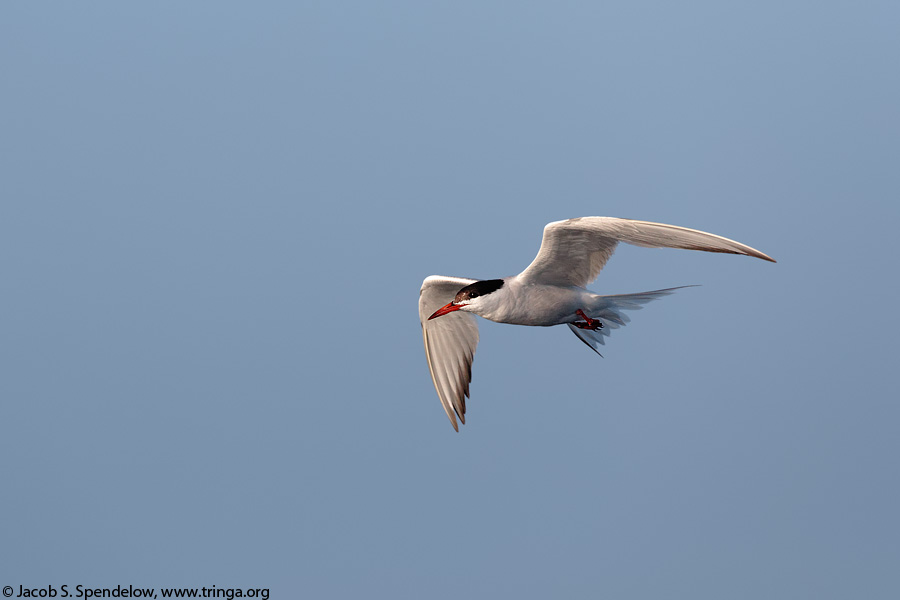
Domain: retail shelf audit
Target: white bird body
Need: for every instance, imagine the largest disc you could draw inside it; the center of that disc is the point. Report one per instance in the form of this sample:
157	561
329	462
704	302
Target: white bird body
551	291
523	303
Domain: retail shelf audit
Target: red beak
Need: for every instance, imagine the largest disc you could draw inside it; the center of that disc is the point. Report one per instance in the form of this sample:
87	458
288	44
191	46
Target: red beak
449	308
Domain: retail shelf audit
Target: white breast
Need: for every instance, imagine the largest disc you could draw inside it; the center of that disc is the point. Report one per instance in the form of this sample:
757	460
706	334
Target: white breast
532	304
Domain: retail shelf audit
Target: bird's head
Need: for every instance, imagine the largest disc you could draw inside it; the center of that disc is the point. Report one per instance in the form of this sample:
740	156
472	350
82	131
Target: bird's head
471	298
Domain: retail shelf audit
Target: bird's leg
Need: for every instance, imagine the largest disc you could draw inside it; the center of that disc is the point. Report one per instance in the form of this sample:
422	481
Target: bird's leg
589	323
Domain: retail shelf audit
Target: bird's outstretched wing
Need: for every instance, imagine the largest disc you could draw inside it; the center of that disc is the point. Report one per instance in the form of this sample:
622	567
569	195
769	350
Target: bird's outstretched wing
450	343
573	252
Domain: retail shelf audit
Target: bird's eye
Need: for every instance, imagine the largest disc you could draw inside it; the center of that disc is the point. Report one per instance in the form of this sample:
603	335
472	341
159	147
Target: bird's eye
473	295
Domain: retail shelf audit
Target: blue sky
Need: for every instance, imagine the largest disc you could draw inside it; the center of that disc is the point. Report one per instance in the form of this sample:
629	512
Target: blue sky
215	220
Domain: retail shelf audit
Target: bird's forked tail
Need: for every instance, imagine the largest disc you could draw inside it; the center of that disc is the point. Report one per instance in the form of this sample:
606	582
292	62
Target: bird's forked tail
608	310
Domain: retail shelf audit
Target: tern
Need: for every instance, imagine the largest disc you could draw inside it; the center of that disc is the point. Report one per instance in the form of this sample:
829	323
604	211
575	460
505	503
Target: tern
551	291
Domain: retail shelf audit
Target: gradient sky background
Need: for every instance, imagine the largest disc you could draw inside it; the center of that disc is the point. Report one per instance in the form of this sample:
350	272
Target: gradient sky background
214	221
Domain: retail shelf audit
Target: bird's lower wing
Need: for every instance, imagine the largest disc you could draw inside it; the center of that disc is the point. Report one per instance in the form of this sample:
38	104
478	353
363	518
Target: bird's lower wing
573	252
450	343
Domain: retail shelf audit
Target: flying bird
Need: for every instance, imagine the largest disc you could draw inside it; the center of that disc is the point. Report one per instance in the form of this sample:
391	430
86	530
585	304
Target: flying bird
551	291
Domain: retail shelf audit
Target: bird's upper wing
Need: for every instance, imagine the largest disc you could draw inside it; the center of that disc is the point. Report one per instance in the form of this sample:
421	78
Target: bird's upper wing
450	343
573	252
